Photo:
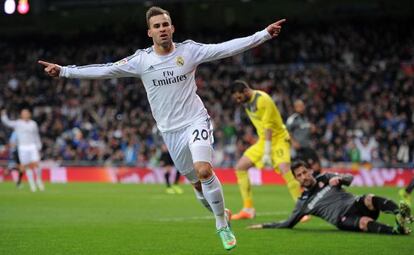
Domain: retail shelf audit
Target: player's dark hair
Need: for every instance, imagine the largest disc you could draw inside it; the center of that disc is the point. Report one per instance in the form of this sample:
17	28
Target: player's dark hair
154	11
25	108
239	86
296	164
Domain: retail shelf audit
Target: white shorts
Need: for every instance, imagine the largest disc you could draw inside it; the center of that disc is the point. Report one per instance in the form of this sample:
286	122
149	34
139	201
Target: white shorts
28	154
189	145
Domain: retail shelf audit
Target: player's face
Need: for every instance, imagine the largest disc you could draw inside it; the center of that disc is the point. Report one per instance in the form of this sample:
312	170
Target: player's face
304	176
25	114
240	97
161	30
299	107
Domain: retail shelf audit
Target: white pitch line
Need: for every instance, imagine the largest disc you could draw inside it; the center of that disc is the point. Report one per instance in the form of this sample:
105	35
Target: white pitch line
209	217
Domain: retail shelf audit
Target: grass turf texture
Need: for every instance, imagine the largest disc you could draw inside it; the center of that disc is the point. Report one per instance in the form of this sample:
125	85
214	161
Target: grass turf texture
142	219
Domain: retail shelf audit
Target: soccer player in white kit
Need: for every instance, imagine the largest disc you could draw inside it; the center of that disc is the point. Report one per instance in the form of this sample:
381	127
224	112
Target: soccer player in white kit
167	71
28	146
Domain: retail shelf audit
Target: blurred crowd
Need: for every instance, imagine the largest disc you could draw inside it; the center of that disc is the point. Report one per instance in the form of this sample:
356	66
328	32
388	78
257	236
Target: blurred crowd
357	82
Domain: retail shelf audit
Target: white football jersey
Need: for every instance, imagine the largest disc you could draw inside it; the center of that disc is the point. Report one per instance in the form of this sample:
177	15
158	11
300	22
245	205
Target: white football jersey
27	132
169	80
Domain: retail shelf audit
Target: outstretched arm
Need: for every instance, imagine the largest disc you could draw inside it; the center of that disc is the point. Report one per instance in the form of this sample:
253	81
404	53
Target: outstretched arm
210	52
126	67
294	218
6	121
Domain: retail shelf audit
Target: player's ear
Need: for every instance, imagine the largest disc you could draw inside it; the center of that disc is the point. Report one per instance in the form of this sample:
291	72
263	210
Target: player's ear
172	28
149	32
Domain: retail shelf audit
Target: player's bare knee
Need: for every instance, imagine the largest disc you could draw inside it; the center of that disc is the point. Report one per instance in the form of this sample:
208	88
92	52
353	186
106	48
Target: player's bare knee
363	223
197	186
204	173
239	166
204	170
368	202
243	164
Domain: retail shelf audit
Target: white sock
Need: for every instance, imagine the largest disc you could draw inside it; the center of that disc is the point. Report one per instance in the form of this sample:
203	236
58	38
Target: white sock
39	181
213	193
30	179
203	200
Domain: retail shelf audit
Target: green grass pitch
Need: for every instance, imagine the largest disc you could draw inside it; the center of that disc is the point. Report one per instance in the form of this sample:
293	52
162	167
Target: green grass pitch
142	219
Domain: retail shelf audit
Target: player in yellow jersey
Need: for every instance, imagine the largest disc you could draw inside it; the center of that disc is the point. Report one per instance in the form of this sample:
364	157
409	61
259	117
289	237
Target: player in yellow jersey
272	148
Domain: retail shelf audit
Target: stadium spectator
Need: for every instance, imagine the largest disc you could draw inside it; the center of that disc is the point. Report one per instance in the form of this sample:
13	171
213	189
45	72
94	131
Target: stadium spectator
367	148
353	154
130	149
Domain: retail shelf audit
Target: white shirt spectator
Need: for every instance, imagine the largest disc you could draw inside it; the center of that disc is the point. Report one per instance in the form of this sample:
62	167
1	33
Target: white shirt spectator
367	148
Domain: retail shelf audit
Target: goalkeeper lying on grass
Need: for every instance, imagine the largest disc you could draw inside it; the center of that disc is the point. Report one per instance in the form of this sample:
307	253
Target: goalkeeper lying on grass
324	197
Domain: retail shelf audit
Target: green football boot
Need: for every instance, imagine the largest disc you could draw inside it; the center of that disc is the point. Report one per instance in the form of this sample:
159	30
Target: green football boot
405	196
405	213
170	191
227	238
177	189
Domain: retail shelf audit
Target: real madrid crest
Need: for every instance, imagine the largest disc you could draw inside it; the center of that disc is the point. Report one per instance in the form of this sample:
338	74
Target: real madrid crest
180	61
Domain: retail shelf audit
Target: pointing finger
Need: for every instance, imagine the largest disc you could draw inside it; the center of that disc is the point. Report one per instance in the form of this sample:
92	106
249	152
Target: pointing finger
279	22
44	63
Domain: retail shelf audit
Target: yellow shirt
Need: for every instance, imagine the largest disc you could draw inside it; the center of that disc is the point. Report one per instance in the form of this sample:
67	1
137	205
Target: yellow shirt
264	114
